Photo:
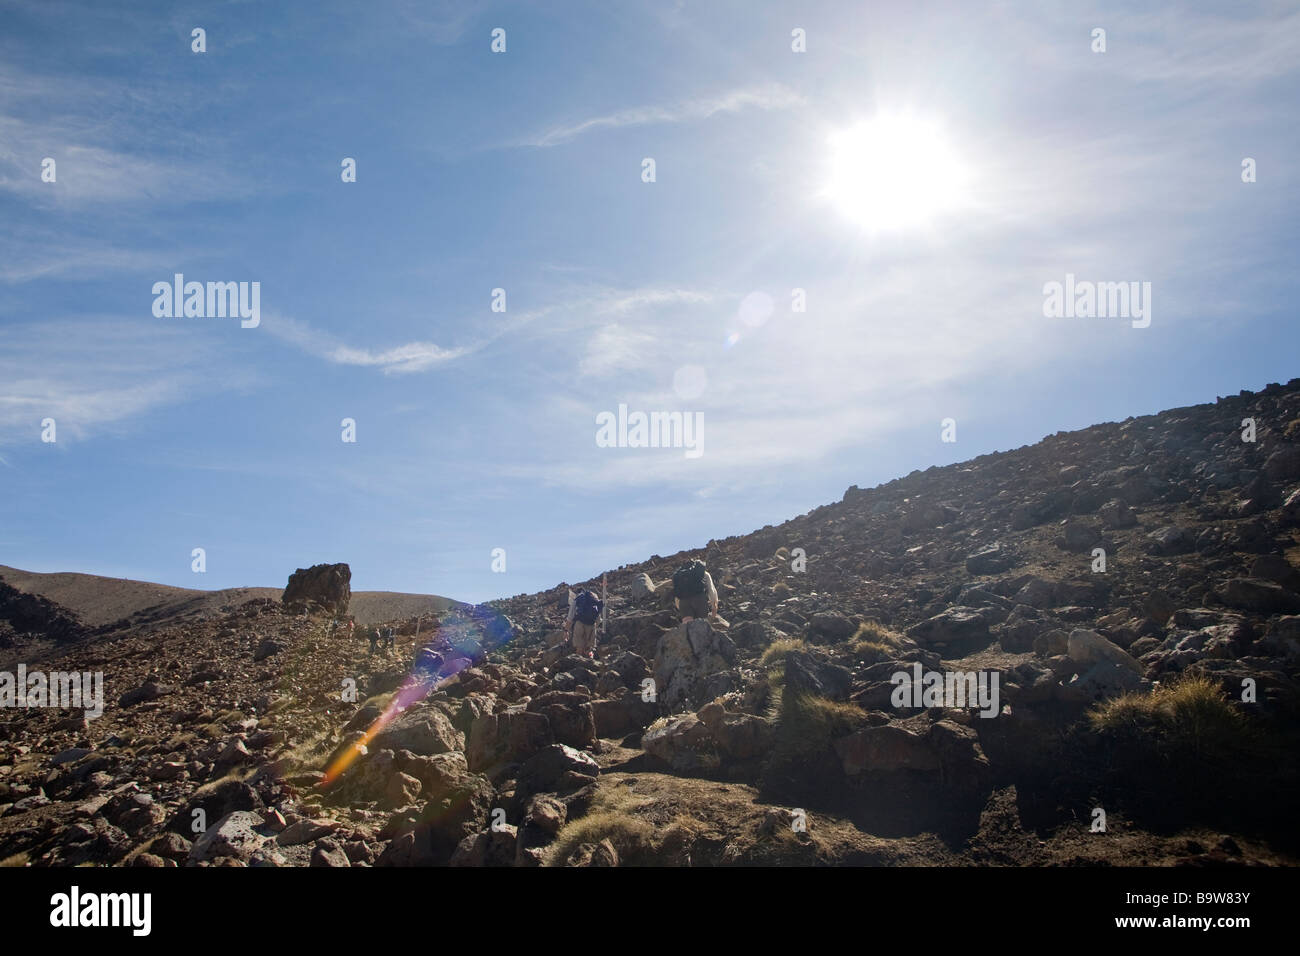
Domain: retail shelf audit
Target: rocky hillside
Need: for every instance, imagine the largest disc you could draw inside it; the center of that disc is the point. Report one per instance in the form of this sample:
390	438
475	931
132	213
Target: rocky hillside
1123	602
100	604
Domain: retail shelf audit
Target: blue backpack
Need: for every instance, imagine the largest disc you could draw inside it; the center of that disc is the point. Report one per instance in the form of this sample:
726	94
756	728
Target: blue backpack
587	607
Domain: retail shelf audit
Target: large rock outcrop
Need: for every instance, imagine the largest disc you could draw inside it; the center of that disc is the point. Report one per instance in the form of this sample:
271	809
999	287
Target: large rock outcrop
327	587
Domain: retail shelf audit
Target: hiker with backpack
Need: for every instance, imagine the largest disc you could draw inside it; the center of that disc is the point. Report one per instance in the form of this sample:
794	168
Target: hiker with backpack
584	612
694	592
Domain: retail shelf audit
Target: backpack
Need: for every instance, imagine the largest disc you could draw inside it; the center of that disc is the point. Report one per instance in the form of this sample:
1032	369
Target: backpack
688	580
587	607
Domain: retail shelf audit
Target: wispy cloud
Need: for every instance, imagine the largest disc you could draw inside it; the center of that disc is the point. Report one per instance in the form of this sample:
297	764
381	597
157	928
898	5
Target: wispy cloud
104	150
445	21
613	348
769	97
33	257
87	374
396	360
580	309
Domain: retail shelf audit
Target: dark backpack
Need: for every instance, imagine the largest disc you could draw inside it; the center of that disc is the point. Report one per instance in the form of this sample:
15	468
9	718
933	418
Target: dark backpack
688	580
586	608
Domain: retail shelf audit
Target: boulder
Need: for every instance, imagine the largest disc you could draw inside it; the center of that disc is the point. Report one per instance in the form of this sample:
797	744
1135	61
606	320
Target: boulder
992	559
558	769
1037	593
441	825
640	586
1079	534
493	847
543	817
569	716
1104	679
623	713
736	737
682	742
423	731
956	625
1170	540
327	587
899	745
1283	638
631	668
436	774
1276	568
688	657
832	625
267	648
1283	464
593	854
217	800
145	692
234	835
807	674
507	737
402	789
327	853
1115	515
1260	595
1088	648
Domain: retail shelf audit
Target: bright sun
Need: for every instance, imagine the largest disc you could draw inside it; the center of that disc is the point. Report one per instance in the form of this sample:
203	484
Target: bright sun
894	172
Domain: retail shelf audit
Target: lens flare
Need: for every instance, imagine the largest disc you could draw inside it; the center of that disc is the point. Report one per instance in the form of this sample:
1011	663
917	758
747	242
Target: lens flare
461	640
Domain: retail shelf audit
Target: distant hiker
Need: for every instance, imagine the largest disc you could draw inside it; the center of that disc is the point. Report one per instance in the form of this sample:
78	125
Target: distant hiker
694	591
374	639
584	612
388	638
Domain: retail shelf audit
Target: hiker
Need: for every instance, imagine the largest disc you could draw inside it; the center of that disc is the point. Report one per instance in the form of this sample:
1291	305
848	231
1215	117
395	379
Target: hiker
584	612
374	639
694	592
388	638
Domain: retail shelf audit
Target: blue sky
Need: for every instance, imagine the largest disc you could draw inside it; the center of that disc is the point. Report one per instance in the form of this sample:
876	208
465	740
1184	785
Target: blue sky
522	170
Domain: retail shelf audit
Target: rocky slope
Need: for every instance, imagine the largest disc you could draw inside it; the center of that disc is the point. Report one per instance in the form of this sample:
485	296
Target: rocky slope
98	602
1133	587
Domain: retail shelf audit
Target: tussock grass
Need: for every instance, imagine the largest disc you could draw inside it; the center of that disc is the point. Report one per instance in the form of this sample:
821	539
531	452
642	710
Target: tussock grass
1187	753
1187	716
873	642
309	754
18	859
378	700
613	816
802	764
179	742
775	652
876	633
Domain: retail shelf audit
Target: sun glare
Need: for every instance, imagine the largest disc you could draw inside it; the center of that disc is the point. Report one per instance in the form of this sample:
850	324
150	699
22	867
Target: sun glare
894	172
